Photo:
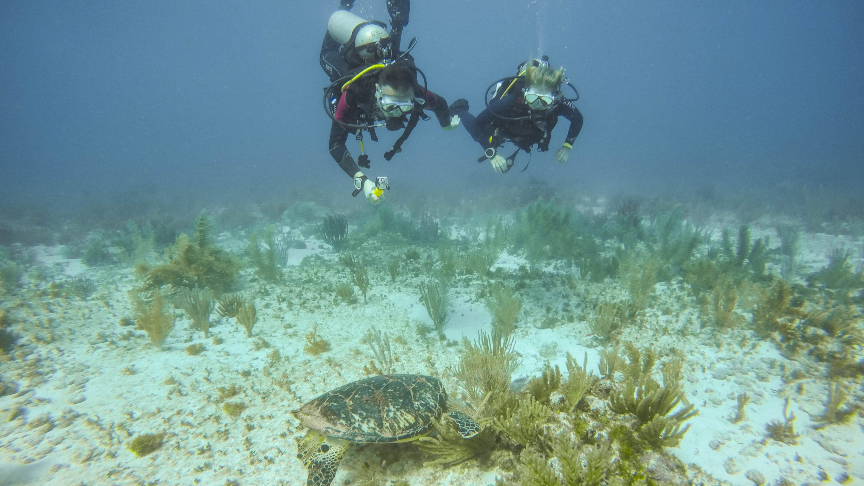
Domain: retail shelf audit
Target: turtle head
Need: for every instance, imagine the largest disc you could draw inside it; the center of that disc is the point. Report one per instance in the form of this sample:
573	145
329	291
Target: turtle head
468	427
321	456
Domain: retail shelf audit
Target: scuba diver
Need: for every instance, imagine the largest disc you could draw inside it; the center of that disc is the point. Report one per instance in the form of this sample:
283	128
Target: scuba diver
352	43
524	110
385	100
374	84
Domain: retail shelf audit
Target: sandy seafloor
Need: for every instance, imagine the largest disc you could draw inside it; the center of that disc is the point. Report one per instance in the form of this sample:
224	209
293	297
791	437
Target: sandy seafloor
86	385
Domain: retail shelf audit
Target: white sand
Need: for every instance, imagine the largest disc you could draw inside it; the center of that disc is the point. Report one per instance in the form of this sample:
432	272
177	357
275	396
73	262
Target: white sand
88	386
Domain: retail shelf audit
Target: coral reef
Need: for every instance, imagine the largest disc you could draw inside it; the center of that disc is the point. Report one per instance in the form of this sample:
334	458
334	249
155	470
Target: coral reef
608	320
151	315
504	306
334	230
452	449
230	304
136	244
393	269
743	399
345	293
194	263
790	237
526	423
264	254
10	276
579	382
545	231
434	298
776	311
651	403
839	279
673	242
382	357
194	349
198	305
485	368
361	280
315	344
247	317
837	397
638	272
783	431
96	252
81	288
718	308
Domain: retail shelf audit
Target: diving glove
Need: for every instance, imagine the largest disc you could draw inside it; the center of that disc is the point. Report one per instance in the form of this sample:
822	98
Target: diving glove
499	163
454	122
370	190
458	107
562	153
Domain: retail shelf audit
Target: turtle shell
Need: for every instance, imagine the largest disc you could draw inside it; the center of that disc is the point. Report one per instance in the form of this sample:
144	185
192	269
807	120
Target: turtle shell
385	408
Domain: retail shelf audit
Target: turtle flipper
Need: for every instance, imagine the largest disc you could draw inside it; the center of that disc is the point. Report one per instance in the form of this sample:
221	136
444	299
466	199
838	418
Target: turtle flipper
468	427
324	462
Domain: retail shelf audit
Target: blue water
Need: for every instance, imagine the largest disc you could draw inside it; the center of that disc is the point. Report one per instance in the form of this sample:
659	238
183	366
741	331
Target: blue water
222	100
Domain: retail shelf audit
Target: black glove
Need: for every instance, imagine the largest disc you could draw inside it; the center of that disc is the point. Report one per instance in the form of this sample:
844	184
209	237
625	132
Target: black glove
458	107
399	11
363	161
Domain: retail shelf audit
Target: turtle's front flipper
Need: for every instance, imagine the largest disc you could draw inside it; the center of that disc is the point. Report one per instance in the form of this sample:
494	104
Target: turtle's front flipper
324	461
467	426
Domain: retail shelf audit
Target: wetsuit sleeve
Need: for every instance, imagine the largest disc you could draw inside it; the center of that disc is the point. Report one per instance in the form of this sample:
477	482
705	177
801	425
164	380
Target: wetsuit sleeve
339	151
339	134
399	11
438	105
485	124
571	113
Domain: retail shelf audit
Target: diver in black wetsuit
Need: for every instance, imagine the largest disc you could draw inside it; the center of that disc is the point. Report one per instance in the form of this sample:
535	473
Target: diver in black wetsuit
352	43
524	111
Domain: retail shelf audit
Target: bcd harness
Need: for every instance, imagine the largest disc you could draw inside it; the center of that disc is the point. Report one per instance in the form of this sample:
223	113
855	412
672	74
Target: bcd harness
496	139
333	92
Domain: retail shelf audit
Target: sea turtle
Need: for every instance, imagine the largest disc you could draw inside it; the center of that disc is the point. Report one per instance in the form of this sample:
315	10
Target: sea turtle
386	408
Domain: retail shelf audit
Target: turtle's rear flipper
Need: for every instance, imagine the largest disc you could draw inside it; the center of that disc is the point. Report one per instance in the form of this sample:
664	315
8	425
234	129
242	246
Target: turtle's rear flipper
467	426
325	461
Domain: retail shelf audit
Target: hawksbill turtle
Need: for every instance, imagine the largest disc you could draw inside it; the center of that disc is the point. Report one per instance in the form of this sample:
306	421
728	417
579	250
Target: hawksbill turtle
386	408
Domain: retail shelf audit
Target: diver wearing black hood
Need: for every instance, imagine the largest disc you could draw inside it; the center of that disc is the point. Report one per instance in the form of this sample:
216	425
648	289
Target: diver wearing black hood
352	43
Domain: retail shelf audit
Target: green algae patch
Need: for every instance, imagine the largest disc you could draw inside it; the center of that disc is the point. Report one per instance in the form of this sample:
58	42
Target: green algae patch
146	444
233	409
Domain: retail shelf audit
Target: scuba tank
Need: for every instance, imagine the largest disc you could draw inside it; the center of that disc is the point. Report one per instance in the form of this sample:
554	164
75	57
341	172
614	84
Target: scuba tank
362	40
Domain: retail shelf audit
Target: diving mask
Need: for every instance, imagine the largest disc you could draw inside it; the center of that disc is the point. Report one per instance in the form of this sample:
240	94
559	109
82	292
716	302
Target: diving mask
393	106
375	52
539	100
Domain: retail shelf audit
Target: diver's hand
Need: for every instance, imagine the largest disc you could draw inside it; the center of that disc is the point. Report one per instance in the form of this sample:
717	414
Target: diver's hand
499	164
370	190
454	122
563	153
